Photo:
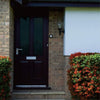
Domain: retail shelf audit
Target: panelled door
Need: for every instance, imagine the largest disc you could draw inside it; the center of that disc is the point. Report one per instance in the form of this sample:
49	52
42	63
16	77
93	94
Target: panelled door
31	50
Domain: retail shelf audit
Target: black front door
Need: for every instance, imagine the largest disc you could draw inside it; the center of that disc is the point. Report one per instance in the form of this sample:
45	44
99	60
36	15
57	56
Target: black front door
31	49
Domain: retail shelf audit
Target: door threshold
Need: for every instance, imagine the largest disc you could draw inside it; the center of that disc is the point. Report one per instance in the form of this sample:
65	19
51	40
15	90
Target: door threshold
32	87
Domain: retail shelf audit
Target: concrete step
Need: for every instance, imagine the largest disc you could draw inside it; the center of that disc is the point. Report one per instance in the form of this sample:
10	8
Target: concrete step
38	95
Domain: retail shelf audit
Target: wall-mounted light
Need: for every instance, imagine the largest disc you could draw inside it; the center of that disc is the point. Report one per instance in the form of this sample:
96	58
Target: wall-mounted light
60	28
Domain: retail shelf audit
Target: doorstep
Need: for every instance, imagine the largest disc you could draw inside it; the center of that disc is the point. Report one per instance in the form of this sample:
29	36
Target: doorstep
39	92
38	95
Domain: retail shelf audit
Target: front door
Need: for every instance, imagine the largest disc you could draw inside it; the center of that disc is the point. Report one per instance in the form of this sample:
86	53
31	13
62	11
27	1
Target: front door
31	50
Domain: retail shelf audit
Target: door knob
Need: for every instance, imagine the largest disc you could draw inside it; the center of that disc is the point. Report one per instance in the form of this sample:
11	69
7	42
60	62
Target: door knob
17	50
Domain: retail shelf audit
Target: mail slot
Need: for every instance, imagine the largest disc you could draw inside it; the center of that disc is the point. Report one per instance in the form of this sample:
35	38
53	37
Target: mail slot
31	58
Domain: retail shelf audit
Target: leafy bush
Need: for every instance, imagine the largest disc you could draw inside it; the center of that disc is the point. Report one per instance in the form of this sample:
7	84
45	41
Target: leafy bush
5	63
84	75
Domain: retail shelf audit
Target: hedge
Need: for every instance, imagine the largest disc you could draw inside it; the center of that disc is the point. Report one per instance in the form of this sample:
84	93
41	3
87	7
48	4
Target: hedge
84	75
5	68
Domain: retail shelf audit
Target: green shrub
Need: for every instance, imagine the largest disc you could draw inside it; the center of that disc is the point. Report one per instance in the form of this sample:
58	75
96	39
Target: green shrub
84	75
5	68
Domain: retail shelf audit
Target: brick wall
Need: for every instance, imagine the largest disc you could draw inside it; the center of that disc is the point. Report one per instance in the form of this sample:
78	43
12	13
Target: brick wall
58	64
4	27
67	66
56	58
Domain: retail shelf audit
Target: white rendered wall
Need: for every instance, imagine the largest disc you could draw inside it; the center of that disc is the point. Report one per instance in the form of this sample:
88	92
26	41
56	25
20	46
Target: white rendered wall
82	30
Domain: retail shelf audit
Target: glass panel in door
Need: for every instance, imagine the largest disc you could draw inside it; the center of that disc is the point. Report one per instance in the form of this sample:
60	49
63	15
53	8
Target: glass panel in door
24	35
38	36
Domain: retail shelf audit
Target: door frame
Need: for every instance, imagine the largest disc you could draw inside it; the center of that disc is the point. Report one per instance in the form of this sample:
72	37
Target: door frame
17	15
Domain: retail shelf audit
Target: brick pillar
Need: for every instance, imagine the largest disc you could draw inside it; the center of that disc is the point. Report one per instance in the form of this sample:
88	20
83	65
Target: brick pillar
4	27
56	58
58	64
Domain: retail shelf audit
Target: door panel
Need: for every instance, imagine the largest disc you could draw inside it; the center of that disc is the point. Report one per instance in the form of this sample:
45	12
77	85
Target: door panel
31	51
25	76
37	73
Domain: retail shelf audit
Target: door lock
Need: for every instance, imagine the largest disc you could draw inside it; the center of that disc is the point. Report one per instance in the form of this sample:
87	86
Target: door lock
17	50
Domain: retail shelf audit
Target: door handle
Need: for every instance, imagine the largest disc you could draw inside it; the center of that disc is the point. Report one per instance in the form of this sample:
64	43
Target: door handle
17	50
